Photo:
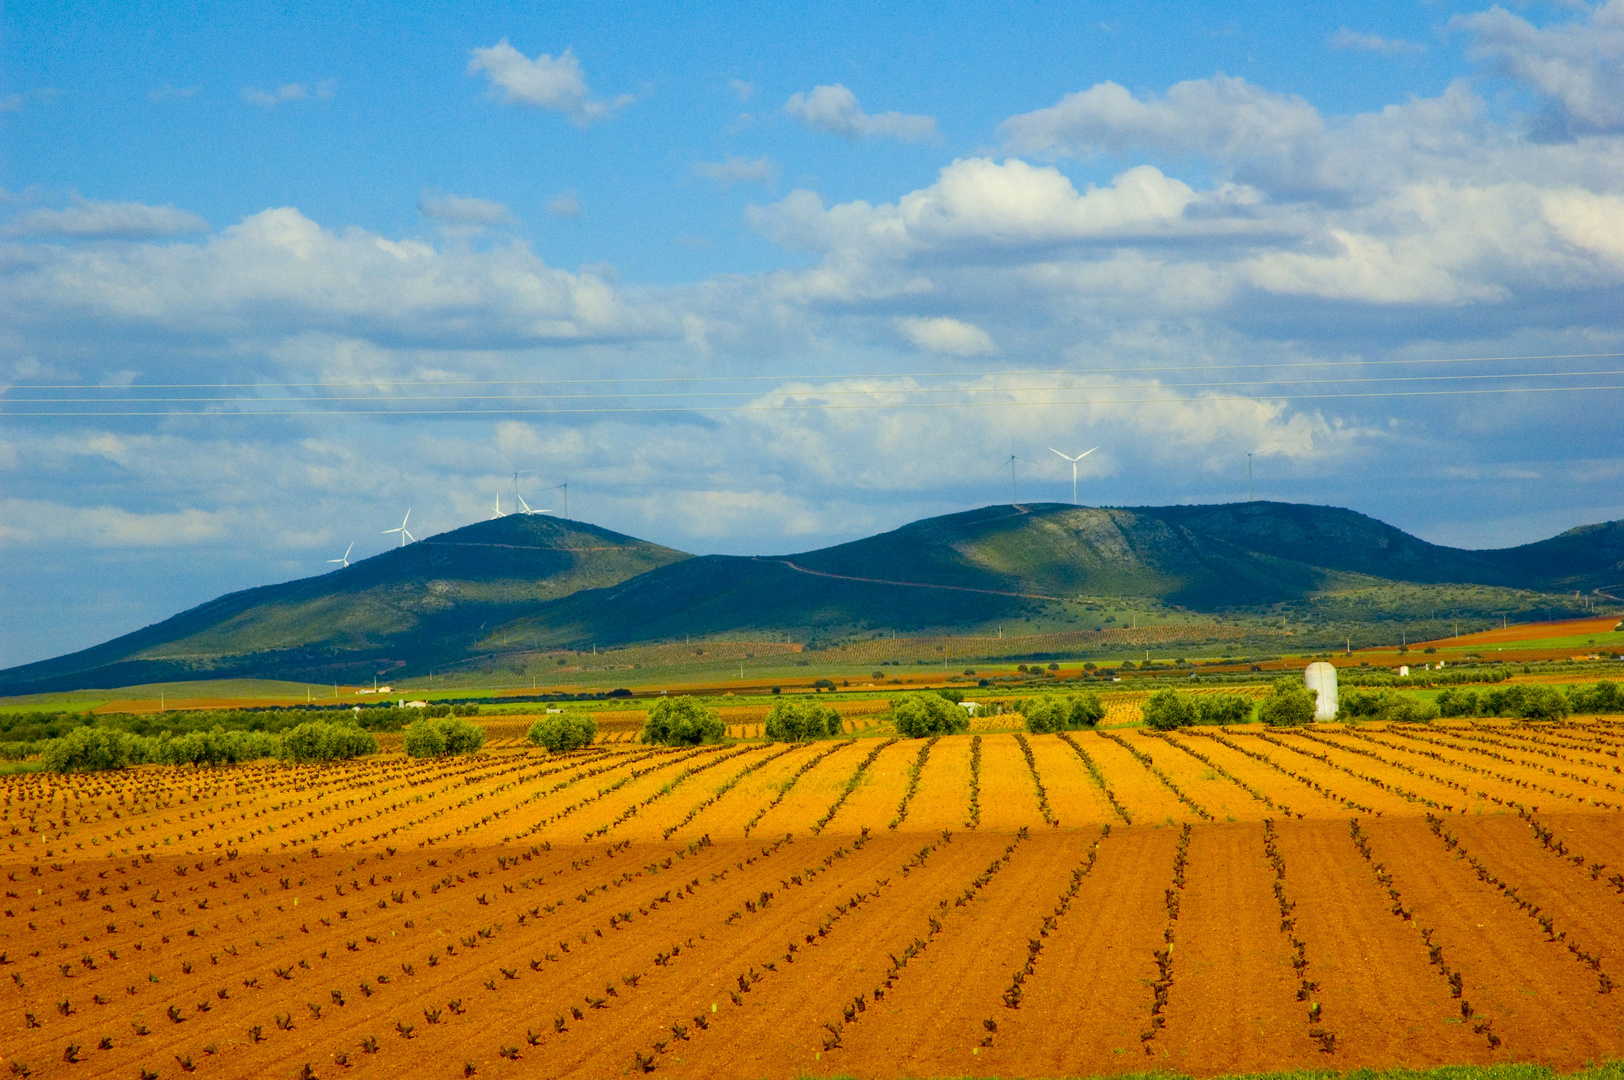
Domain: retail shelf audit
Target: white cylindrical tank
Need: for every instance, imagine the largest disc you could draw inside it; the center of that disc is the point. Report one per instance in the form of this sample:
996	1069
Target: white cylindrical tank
1321	677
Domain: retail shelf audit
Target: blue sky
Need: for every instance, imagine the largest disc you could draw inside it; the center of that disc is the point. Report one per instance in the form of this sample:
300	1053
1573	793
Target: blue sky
1163	232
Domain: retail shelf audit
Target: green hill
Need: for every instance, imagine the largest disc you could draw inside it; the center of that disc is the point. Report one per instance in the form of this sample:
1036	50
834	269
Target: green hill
405	608
523	584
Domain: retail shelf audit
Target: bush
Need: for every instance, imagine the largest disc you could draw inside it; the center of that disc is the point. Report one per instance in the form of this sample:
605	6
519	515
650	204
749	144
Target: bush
217	747
1054	713
679	721
1543	703
1604	697
443	737
563	731
1168	709
1289	704
1454	702
920	715
92	750
1222	708
797	721
317	741
1391	707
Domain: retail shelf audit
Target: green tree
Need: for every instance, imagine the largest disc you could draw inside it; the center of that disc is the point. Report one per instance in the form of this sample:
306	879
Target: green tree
798	721
447	736
563	731
680	721
921	715
1289	704
317	741
1051	713
1166	710
1222	708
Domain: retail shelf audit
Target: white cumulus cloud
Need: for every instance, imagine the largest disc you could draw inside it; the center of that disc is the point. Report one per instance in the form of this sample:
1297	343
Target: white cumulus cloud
946	335
556	84
463	210
1577	66
90	219
835	109
735	170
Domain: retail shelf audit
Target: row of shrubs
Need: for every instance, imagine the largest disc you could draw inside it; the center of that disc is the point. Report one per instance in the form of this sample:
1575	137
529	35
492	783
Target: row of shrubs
94	749
1288	704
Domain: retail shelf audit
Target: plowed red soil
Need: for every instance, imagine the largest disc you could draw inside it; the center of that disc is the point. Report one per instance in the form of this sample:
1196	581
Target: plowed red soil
595	913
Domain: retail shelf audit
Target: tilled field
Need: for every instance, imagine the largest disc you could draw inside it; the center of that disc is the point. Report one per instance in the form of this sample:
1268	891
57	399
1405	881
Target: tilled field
1003	905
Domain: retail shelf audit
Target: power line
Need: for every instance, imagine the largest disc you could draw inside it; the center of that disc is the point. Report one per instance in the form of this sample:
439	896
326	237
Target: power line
870	392
791	406
809	377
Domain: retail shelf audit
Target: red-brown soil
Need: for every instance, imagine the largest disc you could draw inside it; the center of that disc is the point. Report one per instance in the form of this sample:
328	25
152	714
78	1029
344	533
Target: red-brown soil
375	917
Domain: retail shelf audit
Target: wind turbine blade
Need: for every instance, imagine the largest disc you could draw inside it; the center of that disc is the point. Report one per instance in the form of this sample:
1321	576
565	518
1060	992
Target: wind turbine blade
1085	453
1052	450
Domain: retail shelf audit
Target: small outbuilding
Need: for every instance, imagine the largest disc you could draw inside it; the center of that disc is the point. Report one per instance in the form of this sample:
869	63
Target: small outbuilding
1320	677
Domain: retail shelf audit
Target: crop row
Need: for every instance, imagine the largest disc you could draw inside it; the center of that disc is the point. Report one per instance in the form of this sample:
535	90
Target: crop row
1260	796
912	789
1037	782
1307	781
1435	953
1526	906
1098	777
1299	948
1150	766
1162	987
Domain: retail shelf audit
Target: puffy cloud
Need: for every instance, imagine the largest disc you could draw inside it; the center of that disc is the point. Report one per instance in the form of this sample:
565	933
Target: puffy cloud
1577	66
1222	116
978	203
463	210
89	219
33	521
946	335
1589	221
270	99
835	109
566	204
1367	42
736	169
544	83
743	90
277	274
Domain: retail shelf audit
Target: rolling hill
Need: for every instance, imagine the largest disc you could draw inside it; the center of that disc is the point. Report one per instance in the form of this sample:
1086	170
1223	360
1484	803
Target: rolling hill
522	584
414	604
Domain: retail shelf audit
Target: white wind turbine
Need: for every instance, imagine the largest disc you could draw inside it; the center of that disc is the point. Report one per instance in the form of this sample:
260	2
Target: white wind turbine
496	511
344	558
1249	453
1074	461
405	536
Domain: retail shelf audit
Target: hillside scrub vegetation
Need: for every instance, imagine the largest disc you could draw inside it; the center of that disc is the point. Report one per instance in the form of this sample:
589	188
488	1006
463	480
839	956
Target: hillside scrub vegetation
1056	713
444	737
682	721
798	721
557	732
920	716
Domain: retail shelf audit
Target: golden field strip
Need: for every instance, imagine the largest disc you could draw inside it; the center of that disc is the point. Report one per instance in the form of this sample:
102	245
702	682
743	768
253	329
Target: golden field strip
1207	901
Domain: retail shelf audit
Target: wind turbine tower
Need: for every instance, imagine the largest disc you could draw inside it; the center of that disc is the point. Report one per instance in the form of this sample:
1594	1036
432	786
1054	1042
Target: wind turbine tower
405	537
1074	461
1010	464
1249	453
